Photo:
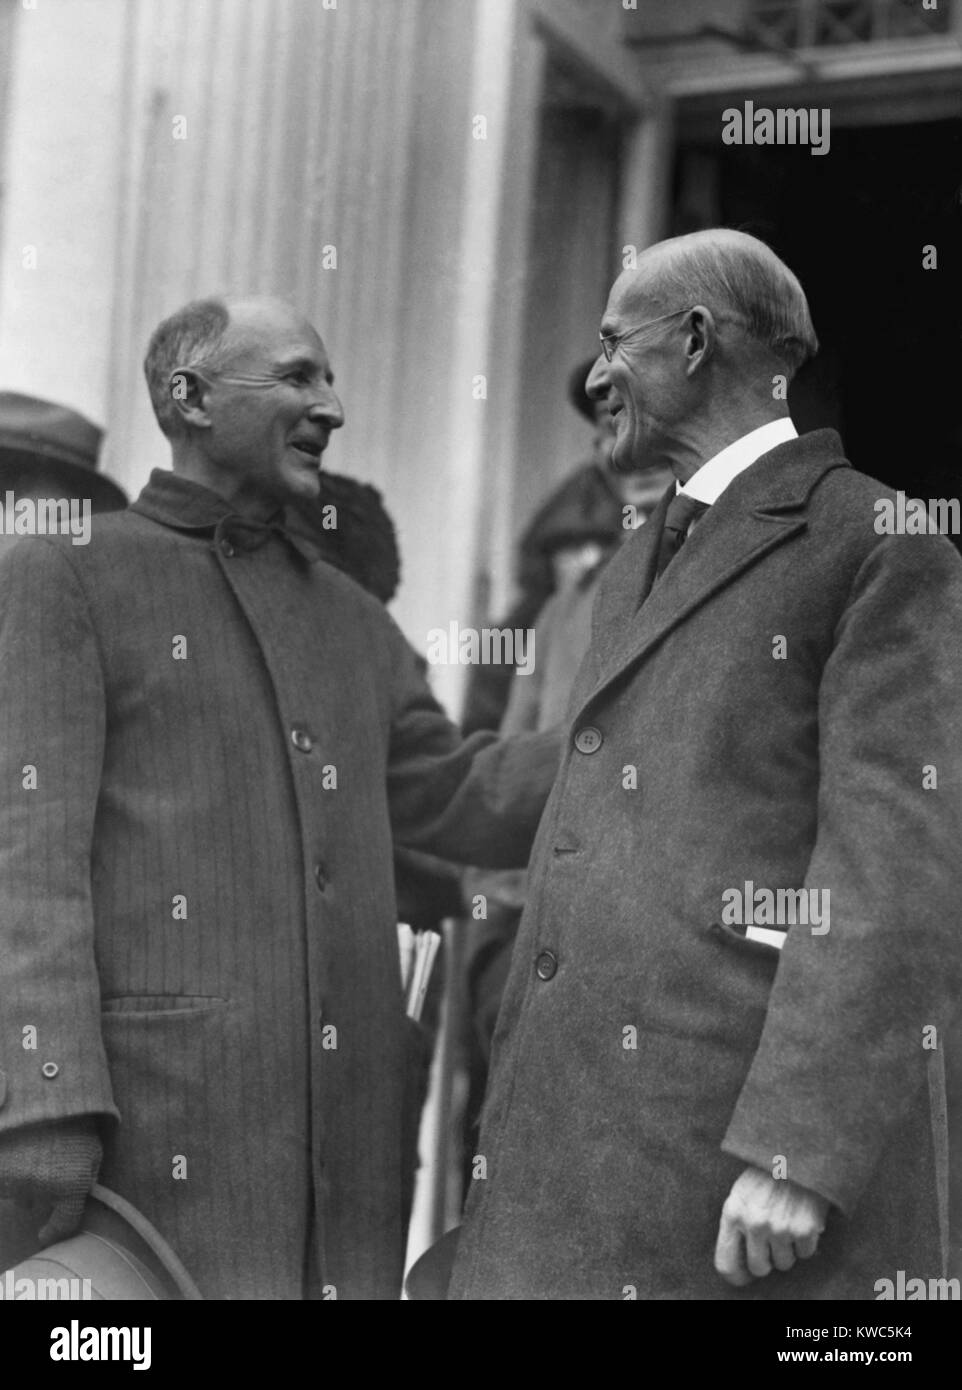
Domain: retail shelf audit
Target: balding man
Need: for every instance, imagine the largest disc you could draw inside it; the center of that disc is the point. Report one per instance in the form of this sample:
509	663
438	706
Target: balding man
208	738
717	1070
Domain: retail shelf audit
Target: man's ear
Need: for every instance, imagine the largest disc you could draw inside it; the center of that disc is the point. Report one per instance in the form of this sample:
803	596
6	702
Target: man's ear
700	339
188	392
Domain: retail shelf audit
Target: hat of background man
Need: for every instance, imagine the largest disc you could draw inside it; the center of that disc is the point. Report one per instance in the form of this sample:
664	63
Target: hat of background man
429	1278
577	394
117	1250
583	507
52	440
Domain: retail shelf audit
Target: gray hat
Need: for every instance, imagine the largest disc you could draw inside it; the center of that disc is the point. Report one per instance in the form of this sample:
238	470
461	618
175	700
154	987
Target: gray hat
43	437
117	1254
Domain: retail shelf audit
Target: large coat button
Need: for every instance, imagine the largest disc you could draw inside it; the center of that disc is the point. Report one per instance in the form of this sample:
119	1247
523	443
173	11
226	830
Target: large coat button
546	965
320	876
302	740
227	549
589	739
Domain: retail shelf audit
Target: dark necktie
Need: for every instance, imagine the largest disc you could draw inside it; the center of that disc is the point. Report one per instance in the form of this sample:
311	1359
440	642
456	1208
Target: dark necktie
682	511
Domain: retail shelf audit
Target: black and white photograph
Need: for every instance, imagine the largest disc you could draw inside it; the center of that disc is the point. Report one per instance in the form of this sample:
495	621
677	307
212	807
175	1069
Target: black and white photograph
481	666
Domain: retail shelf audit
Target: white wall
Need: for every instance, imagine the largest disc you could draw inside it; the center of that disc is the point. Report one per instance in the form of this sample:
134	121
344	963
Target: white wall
305	127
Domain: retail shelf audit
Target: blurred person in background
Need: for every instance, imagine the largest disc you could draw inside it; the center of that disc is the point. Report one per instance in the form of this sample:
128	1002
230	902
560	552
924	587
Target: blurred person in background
568	535
48	451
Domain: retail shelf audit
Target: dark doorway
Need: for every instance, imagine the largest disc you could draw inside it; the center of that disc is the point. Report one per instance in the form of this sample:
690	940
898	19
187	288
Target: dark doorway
852	224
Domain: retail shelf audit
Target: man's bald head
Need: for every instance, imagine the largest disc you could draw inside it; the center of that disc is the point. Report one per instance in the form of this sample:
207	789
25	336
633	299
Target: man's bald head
257	313
244	391
207	332
732	274
694	341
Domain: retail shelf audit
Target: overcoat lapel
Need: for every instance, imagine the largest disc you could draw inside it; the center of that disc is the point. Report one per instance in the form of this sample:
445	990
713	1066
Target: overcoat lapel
764	507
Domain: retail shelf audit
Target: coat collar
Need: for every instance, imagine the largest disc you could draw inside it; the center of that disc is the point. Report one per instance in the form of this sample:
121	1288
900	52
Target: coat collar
761	509
184	505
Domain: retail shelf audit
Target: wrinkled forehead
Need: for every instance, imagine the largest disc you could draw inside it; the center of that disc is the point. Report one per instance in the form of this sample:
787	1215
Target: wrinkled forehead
265	334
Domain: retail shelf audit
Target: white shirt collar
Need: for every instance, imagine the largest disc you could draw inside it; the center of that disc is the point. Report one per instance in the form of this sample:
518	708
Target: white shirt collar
711	480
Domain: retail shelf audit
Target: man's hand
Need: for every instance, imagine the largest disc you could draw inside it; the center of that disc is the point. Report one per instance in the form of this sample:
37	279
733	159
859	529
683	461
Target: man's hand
52	1166
766	1223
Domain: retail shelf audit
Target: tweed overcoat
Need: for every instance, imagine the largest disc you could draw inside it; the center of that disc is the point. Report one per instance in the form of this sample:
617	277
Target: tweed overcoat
198	933
783	707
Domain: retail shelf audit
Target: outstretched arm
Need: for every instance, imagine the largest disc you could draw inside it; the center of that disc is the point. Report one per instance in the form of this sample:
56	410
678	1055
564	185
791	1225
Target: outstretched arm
476	800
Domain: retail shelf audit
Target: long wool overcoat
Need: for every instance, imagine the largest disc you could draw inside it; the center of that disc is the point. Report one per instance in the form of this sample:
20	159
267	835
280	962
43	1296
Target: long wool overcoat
782	708
207	742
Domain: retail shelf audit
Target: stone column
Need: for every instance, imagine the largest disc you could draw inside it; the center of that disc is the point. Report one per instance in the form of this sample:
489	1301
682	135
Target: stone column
60	177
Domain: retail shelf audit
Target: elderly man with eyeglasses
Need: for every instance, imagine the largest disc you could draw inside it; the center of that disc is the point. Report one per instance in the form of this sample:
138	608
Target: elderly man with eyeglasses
210	742
717	1072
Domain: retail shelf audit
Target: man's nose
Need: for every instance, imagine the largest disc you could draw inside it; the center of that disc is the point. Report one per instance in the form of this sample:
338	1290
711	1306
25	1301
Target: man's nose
328	410
599	383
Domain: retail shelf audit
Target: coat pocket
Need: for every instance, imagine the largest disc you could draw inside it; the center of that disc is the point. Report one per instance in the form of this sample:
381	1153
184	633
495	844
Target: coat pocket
181	1071
736	939
148	1004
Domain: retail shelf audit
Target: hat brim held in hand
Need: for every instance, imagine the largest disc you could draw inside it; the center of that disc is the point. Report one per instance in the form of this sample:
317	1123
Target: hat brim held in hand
117	1254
